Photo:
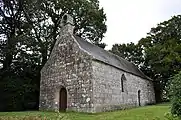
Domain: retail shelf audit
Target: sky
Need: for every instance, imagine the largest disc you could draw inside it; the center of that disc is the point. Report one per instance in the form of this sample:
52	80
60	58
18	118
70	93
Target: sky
130	20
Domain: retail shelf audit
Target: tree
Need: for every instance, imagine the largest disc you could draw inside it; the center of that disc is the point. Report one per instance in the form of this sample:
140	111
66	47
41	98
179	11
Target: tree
130	51
175	92
89	21
162	51
28	31
42	20
10	29
14	74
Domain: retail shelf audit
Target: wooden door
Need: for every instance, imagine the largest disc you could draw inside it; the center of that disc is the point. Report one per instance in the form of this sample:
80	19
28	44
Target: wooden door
63	99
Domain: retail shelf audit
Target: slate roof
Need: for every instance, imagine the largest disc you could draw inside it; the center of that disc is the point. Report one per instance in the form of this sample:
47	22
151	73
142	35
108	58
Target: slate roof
109	58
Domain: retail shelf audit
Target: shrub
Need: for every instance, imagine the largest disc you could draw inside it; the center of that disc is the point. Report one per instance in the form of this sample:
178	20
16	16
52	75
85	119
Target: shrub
169	116
175	93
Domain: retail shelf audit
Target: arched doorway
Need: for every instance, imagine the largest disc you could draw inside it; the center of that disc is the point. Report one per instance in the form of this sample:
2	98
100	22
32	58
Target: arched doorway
63	99
139	100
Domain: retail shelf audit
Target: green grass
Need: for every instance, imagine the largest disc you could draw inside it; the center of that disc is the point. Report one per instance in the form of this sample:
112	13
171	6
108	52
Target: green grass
155	112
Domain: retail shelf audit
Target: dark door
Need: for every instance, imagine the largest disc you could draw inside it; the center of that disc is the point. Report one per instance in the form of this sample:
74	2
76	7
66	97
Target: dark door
139	101
63	99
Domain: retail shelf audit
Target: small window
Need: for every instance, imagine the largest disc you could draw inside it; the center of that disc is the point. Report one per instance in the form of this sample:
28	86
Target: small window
64	19
139	98
123	80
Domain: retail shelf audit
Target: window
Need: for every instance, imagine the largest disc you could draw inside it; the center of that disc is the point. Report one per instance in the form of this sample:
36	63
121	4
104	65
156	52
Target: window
123	80
139	100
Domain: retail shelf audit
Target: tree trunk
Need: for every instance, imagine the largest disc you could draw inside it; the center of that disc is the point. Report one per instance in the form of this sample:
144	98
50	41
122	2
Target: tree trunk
158	92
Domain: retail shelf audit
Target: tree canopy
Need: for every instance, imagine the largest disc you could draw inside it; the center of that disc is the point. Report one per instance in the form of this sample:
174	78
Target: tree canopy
130	52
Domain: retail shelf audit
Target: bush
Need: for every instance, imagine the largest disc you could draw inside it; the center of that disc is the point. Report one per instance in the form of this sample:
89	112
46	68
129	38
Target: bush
18	94
169	116
175	93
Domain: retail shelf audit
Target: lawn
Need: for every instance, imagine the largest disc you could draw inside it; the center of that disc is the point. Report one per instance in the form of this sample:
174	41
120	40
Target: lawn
155	112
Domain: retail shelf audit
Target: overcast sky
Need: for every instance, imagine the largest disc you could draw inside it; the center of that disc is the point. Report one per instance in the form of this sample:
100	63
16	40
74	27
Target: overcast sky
130	20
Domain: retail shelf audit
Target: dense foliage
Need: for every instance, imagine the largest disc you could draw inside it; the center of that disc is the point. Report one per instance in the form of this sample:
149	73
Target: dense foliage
130	52
175	92
28	31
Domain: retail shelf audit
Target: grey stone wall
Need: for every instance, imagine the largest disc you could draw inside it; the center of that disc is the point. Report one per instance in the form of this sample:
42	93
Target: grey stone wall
92	86
108	93
68	67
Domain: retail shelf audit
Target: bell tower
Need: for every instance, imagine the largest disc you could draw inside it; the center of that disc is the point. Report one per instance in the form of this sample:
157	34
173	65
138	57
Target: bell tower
67	24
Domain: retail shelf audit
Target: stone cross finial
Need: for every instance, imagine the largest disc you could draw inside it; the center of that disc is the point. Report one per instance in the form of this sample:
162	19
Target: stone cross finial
67	23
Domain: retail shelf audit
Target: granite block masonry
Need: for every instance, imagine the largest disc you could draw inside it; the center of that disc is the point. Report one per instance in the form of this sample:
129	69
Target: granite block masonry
80	76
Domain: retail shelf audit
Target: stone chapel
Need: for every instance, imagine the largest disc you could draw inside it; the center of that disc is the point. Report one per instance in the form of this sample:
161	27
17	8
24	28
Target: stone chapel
80	76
